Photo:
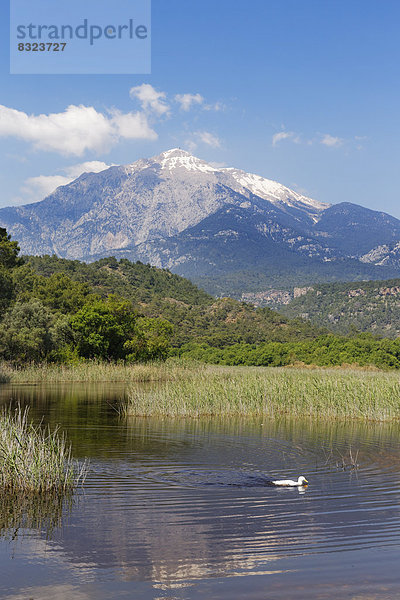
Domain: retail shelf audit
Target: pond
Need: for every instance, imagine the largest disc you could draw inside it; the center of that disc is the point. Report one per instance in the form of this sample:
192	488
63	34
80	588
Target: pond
176	509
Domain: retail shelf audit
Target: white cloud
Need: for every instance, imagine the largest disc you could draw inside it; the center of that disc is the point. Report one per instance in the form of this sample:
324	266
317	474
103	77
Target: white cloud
331	141
208	138
217	106
81	129
202	137
150	99
37	188
132	126
285	135
359	139
89	166
325	139
191	145
187	100
76	130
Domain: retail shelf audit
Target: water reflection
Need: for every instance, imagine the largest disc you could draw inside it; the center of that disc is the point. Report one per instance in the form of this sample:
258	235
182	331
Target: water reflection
174	503
43	512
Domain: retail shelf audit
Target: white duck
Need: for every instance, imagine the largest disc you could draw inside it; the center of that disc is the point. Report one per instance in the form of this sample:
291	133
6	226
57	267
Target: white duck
301	482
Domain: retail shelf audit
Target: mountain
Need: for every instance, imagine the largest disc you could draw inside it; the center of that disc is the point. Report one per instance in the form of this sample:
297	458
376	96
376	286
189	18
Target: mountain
354	230
125	206
228	230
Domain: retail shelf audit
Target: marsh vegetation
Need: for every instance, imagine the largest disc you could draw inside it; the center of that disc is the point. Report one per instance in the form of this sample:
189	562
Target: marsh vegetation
319	393
34	459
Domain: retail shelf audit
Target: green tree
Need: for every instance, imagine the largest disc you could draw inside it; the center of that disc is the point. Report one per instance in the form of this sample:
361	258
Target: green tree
151	340
102	328
8	260
8	251
59	292
25	332
6	290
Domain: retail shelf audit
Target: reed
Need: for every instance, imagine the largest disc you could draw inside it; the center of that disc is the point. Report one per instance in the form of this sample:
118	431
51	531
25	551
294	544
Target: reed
4	377
33	459
182	388
321	394
94	371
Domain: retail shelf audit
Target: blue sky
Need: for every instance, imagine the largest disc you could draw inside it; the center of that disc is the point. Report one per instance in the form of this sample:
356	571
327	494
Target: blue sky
305	92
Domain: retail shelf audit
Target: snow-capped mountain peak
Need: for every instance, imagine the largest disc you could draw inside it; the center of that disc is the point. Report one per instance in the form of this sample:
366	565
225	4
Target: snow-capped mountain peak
180	159
180	164
277	193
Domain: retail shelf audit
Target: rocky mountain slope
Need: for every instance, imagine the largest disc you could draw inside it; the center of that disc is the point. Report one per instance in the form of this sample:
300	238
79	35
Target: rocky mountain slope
368	306
229	230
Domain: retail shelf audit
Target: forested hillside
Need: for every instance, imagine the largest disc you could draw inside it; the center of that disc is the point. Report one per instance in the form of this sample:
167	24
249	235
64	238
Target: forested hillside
159	293
66	311
55	317
369	306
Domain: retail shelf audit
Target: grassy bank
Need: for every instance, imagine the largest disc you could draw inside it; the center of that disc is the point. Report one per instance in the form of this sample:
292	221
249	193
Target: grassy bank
97	371
323	394
182	388
93	371
33	459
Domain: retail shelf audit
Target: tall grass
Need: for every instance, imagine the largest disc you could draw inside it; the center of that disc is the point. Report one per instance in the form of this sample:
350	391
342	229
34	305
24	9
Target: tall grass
4	377
33	459
323	394
181	388
93	371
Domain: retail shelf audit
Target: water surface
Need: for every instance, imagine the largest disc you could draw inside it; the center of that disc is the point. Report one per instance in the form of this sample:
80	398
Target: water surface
179	508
